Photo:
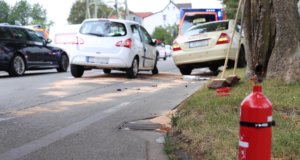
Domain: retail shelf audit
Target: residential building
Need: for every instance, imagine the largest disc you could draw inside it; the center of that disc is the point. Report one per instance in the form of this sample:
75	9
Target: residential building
168	16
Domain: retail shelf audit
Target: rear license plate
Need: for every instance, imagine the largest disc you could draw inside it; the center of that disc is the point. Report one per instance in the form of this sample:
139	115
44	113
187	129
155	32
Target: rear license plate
97	60
198	44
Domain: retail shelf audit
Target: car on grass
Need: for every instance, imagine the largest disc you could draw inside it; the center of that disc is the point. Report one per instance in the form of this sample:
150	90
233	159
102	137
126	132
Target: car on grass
111	44
206	45
21	49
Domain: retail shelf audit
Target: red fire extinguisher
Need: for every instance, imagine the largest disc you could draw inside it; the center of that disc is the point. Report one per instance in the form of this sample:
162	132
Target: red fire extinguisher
255	126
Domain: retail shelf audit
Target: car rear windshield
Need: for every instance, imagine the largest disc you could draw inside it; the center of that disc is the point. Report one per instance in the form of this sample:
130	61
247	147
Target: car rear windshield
207	27
194	19
103	28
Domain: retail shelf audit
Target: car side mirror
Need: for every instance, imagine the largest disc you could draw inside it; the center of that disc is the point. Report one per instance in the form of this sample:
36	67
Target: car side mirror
46	41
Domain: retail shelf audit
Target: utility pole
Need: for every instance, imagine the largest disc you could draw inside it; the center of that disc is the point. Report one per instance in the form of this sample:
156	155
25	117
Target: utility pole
117	11
126	10
88	12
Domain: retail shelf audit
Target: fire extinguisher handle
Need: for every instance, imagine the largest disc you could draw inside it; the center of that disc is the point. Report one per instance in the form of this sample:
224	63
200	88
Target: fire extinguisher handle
257	125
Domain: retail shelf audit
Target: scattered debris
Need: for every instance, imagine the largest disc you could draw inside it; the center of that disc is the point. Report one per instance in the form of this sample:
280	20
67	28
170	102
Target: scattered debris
155	85
194	78
160	140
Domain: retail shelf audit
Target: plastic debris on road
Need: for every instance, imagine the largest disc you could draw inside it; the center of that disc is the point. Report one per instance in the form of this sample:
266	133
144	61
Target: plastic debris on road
194	78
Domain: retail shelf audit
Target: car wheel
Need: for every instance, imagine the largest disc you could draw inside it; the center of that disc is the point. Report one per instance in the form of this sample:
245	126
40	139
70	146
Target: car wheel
213	68
242	58
185	70
133	70
77	71
63	63
17	66
107	71
155	69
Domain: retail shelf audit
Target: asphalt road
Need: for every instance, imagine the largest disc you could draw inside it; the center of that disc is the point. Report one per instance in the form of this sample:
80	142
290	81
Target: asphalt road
46	115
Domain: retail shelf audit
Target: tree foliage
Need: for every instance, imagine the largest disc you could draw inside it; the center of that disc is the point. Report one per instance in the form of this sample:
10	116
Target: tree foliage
4	8
165	34
231	8
78	11
20	13
23	13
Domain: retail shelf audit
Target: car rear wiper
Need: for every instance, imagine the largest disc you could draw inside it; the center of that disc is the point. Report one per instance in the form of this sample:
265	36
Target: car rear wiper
96	34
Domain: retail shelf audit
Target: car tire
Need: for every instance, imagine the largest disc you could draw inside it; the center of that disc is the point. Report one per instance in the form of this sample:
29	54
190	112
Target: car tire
63	63
242	58
107	71
213	68
165	58
185	70
17	66
77	71
155	69
133	70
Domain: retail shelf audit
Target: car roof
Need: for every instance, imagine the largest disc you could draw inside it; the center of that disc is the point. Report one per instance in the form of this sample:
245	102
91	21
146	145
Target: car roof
13	26
112	20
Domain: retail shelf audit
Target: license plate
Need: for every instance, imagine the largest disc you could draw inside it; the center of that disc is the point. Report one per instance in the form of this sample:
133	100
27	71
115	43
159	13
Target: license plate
97	60
198	44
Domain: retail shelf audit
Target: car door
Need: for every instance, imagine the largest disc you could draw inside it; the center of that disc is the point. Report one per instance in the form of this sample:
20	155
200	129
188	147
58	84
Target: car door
149	49
43	54
22	44
138	46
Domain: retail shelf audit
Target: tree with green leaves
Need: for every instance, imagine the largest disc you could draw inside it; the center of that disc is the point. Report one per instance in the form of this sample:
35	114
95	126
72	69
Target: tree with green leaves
38	14
165	34
231	8
5	9
20	13
78	11
272	39
23	13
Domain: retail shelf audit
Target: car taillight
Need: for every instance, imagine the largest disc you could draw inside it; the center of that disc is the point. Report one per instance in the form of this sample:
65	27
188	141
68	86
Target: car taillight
127	43
223	39
176	47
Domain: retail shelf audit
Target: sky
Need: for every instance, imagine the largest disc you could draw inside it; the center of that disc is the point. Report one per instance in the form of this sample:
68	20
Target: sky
58	10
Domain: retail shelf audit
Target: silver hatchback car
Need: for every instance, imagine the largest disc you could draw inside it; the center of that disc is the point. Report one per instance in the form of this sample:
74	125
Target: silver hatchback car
113	45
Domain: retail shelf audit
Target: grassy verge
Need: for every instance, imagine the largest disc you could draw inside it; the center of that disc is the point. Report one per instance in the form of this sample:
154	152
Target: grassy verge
207	126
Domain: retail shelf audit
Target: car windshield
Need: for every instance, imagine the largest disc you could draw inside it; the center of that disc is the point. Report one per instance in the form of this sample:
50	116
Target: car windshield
40	34
194	19
103	28
207	27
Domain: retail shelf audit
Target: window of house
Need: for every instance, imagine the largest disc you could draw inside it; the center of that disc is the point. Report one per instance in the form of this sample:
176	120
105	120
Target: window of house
164	17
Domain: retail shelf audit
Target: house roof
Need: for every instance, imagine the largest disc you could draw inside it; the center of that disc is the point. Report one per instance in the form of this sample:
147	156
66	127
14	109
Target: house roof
179	6
143	14
184	5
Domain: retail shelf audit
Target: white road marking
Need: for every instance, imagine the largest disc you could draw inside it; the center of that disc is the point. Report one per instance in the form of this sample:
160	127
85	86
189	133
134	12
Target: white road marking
5	119
35	145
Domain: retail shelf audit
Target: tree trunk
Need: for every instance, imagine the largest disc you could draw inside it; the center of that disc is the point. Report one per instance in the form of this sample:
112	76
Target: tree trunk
285	59
272	39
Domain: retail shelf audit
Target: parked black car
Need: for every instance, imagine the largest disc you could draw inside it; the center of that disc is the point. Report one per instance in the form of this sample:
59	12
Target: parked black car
22	49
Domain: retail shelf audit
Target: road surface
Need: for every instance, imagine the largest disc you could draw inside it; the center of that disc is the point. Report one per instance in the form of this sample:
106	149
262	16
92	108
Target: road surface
46	115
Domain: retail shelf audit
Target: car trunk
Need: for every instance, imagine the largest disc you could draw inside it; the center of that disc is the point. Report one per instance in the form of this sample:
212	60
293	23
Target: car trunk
99	44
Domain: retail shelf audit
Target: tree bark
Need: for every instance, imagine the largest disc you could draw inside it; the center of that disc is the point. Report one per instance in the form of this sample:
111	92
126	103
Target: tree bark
285	59
272	39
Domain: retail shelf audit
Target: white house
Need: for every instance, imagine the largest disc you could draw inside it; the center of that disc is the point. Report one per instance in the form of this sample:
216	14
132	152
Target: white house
167	16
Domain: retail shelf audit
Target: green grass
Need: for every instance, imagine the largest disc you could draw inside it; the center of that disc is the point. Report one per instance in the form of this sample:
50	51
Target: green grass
208	125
